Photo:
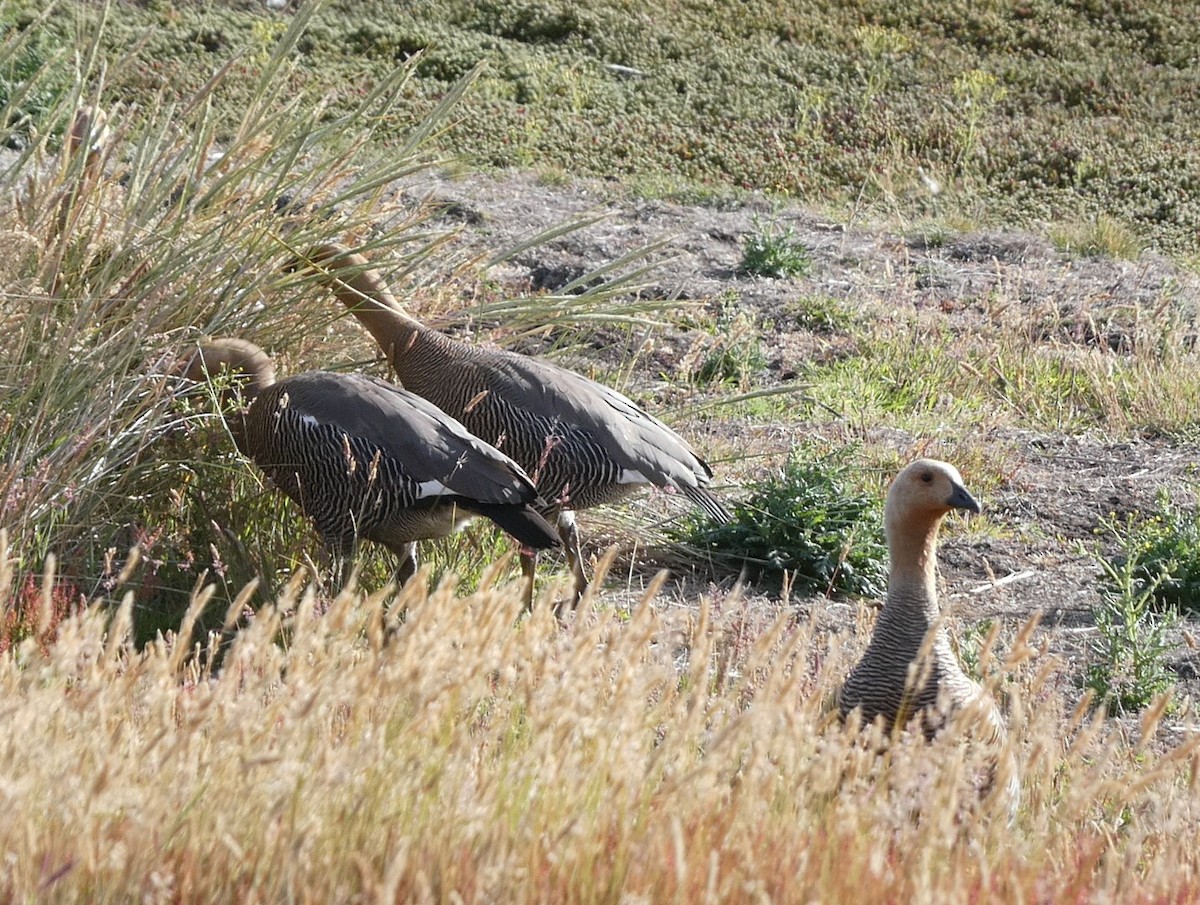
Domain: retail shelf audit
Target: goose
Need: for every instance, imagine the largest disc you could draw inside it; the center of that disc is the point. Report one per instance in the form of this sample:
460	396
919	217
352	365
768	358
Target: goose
583	443
921	495
363	458
880	685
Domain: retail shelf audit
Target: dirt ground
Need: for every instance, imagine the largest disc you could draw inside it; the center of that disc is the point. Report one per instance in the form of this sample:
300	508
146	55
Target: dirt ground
1057	488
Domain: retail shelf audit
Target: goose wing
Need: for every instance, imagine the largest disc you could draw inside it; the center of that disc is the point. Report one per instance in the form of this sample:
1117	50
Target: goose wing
636	440
432	447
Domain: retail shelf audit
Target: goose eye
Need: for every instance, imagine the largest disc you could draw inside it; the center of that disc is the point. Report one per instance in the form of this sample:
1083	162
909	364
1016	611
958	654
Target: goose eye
927	478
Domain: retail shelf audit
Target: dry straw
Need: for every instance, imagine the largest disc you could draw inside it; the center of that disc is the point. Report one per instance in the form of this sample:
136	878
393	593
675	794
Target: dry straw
469	755
325	751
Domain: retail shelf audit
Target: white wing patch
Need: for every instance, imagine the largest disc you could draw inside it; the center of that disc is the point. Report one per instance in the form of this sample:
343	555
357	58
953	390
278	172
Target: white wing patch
431	488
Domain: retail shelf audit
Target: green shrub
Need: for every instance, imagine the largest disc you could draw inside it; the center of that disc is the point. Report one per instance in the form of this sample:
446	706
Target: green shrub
803	522
1129	672
1163	552
770	252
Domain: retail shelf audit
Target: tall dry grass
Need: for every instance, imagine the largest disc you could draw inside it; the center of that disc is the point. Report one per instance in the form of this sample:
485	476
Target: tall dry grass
654	756
179	226
663	754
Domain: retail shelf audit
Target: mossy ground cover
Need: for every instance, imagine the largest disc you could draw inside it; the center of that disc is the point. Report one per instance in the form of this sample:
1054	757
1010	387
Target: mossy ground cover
1042	112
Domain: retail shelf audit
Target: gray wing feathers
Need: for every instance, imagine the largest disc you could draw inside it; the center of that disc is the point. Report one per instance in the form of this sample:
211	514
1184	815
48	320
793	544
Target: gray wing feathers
635	439
429	444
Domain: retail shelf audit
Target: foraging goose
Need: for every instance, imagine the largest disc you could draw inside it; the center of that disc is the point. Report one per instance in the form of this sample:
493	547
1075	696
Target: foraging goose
582	443
365	459
920	497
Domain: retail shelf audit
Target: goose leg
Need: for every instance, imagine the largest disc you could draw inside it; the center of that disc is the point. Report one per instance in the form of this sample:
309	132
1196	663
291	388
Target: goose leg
529	559
568	531
408	562
341	556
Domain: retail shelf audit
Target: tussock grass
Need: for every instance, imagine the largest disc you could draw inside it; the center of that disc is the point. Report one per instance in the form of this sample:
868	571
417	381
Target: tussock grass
180	226
117	263
654	755
1102	236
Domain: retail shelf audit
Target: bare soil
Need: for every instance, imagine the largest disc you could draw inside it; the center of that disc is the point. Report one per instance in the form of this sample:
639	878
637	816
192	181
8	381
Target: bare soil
1056	488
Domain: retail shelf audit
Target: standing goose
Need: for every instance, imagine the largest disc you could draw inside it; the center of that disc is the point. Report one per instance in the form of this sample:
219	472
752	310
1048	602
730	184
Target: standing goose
582	443
365	459
879	685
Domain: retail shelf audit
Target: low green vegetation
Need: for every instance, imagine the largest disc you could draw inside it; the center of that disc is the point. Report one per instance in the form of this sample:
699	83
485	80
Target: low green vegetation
916	372
1044	112
1128	669
820	314
34	77
772	251
803	527
1160	550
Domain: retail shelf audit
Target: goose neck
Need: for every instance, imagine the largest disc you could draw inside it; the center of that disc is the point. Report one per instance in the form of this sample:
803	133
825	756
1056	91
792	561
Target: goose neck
912	579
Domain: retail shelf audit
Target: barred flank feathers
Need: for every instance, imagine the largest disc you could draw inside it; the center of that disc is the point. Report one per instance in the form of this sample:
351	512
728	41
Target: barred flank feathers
584	443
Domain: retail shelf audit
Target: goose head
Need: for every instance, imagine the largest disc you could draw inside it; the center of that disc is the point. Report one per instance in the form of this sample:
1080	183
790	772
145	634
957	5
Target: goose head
922	494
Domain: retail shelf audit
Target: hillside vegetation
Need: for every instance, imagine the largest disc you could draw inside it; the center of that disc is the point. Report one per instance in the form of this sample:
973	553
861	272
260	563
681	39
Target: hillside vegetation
788	230
1043	112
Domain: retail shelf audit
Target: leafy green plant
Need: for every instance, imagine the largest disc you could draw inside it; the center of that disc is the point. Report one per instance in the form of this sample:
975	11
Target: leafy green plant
771	252
803	522
1162	550
1129	672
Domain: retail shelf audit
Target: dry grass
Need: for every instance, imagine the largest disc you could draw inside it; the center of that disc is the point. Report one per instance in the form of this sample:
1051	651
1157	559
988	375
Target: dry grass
660	754
644	757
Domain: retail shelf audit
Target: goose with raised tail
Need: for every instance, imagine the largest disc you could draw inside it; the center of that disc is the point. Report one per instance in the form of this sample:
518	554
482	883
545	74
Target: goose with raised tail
583	443
365	459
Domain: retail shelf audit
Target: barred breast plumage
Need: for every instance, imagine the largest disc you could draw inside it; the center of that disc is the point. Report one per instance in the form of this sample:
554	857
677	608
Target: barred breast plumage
879	685
582	443
919	498
366	459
